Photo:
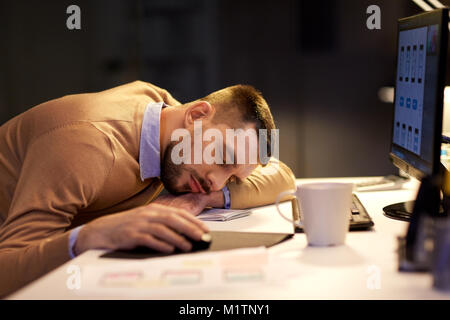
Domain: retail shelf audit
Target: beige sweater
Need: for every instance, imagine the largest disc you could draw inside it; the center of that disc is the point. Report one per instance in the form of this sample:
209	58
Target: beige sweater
70	160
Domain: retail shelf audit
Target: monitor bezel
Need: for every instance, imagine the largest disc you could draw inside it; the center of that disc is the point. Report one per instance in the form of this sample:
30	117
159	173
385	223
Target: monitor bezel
440	17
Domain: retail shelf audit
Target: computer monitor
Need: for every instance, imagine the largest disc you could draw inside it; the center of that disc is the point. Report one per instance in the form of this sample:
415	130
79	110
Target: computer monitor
418	102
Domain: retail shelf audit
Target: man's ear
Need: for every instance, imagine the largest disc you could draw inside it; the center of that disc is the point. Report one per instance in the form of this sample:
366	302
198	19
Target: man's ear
198	110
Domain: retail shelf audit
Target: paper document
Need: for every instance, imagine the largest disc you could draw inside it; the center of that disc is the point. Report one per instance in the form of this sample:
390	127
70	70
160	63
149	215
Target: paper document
179	276
222	214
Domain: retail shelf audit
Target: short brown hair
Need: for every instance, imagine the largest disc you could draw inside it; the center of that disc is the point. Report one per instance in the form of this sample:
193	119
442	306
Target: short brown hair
240	104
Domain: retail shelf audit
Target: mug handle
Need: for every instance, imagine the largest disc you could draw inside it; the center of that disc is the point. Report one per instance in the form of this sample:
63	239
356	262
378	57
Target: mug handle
277	202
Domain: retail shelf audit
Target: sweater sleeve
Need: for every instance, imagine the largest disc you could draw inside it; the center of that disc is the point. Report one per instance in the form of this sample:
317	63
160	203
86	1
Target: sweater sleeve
62	172
262	186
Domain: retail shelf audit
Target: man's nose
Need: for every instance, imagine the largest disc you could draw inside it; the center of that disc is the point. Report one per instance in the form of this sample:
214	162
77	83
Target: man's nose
217	180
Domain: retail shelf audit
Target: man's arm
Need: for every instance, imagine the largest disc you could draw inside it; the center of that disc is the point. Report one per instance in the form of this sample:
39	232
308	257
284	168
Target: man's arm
50	189
63	172
262	186
194	203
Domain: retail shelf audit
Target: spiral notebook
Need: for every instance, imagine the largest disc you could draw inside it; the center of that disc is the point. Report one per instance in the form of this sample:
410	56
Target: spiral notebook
222	214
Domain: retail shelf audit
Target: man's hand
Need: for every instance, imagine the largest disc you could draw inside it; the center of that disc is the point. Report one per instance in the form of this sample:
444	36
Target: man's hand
194	203
155	226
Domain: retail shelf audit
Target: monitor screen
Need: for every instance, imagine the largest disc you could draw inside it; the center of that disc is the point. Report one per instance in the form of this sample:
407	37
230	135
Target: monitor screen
420	80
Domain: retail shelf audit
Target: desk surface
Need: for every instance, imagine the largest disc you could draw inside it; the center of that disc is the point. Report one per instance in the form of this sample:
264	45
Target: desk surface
342	272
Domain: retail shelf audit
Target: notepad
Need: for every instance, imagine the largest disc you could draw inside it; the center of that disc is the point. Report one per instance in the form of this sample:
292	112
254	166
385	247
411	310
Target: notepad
222	214
221	240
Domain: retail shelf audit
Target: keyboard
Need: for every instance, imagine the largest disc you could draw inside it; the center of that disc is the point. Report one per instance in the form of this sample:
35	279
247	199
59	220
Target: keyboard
391	182
359	218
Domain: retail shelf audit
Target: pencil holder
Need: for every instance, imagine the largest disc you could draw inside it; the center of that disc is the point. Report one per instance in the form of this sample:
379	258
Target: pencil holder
441	254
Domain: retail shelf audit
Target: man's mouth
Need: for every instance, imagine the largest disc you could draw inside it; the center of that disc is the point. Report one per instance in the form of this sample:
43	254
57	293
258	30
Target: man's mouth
195	185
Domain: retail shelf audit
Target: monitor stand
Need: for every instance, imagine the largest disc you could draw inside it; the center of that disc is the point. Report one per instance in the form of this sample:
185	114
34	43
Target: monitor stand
402	211
399	211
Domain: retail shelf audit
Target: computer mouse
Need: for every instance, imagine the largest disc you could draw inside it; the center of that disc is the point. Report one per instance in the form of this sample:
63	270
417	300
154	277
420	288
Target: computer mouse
142	252
202	244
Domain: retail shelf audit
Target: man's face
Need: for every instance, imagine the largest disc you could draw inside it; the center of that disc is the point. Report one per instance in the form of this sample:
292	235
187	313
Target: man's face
207	177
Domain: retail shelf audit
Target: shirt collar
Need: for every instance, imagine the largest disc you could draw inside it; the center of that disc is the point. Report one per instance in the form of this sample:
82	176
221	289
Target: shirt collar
149	147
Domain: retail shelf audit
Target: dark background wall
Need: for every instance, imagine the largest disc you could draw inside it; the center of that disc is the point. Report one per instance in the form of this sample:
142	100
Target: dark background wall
316	63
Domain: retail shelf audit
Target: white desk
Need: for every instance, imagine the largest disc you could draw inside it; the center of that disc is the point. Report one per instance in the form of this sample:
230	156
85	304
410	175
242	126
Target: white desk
323	273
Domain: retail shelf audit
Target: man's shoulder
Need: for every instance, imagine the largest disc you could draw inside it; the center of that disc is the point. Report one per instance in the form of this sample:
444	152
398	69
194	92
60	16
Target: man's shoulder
104	106
151	91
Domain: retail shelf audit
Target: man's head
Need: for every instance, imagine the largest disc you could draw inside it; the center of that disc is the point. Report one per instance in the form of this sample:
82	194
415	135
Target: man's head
207	128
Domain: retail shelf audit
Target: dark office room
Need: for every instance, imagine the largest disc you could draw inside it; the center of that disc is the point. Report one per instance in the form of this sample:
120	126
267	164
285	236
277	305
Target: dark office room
316	62
77	144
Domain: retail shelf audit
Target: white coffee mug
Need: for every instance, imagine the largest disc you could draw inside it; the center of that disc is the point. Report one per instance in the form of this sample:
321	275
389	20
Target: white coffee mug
324	211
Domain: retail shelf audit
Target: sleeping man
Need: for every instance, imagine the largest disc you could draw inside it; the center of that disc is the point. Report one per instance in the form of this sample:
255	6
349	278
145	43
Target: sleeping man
84	172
